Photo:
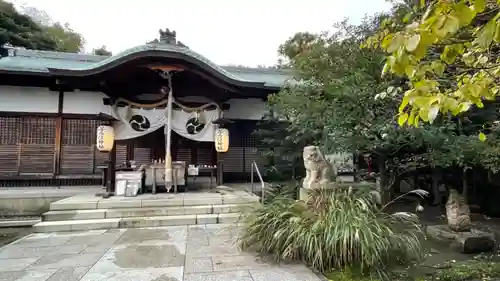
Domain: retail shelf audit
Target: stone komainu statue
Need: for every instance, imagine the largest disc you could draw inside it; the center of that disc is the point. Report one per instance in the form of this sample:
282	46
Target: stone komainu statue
458	212
319	172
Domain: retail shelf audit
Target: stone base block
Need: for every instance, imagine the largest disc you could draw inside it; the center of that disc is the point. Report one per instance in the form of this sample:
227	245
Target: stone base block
469	242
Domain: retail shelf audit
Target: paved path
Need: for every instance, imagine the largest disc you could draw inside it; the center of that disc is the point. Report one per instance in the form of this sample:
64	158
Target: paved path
178	253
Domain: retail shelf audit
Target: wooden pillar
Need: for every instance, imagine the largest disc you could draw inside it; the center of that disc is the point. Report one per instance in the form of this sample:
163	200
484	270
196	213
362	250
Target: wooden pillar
111	180
58	137
220	165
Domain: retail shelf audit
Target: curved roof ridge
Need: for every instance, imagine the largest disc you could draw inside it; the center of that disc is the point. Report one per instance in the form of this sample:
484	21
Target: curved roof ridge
36	61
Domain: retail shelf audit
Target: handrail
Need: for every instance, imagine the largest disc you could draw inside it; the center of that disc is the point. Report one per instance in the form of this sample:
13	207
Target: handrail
256	168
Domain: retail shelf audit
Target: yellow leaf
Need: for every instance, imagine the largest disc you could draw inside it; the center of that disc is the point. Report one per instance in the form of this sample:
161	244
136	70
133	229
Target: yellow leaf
402	118
464	106
409	70
387	41
416	121
422	102
482	136
423	113
404	103
432	113
412	43
411	119
395	43
385	69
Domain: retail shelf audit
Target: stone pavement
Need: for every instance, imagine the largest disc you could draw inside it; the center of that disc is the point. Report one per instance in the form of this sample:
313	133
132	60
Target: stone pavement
176	253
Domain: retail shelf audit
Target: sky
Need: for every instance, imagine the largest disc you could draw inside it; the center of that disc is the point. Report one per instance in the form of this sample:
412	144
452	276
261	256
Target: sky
226	32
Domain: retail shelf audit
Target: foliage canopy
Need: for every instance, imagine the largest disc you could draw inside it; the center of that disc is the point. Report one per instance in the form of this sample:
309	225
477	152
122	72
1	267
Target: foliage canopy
448	51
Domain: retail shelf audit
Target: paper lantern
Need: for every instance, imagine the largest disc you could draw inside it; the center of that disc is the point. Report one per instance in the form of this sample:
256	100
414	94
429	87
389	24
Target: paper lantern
105	138
221	140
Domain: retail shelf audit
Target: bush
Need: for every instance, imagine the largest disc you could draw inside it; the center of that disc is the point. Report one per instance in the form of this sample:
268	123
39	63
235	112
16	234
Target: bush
282	190
333	231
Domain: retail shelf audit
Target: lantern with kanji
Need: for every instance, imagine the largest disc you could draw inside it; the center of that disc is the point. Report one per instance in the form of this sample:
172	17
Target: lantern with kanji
221	140
105	138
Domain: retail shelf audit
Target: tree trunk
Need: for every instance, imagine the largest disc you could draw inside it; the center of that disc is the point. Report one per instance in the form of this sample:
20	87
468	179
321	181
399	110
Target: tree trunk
435	187
384	180
465	188
356	166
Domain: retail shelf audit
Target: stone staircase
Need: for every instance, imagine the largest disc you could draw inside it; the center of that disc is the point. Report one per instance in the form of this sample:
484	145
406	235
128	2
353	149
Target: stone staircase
88	212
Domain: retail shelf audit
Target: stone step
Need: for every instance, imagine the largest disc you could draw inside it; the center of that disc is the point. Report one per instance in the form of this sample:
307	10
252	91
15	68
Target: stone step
146	201
133	222
93	214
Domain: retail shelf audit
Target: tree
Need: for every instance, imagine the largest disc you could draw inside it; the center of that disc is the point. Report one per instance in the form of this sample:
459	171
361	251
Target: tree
20	30
102	51
66	39
335	95
341	97
448	51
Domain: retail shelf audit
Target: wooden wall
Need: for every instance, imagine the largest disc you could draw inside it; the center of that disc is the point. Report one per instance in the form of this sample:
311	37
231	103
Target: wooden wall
242	152
32	149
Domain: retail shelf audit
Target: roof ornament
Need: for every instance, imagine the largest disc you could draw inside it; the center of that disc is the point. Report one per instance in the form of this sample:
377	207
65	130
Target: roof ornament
168	37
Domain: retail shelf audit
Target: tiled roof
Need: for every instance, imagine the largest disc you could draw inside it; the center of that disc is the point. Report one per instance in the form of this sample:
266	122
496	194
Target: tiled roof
21	60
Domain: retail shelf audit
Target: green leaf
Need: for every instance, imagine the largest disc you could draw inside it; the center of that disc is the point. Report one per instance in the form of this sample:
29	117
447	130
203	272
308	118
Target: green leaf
451	25
407	17
449	54
402	118
468	58
464	14
479	6
485	36
412	43
482	136
438	67
497	34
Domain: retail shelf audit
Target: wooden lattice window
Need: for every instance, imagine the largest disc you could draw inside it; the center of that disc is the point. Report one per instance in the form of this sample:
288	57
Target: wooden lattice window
10	130
38	130
78	152
80	131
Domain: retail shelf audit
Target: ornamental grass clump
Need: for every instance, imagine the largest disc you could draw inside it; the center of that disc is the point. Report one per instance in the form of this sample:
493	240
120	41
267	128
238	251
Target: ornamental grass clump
333	230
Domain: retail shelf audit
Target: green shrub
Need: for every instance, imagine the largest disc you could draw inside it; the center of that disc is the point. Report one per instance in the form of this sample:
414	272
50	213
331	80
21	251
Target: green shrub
333	231
281	190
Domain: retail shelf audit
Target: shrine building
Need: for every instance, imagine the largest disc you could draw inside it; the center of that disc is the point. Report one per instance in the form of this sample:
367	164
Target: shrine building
51	104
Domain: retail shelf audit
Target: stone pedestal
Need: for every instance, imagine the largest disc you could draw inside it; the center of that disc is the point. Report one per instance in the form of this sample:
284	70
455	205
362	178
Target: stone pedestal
467	242
357	187
304	193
